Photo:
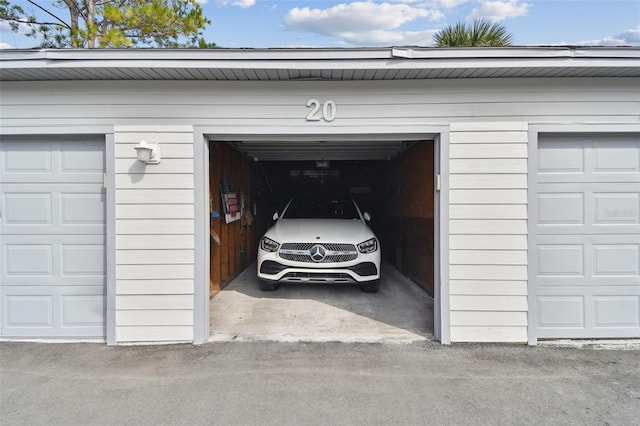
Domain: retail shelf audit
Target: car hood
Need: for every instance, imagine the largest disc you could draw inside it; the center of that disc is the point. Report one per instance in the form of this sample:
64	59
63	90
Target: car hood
325	230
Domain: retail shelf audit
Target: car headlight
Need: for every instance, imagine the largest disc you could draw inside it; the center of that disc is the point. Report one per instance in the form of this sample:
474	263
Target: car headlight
267	244
368	246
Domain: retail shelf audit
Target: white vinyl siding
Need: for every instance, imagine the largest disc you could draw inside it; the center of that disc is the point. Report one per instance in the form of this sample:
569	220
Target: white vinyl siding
154	236
488	232
358	103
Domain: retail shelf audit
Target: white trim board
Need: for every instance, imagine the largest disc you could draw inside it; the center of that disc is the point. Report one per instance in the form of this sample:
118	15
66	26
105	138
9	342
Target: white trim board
203	134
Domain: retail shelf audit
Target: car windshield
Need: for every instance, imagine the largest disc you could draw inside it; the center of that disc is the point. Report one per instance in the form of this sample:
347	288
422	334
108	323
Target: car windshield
321	209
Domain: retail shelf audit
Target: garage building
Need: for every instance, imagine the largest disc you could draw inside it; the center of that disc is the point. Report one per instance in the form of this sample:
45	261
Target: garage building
505	182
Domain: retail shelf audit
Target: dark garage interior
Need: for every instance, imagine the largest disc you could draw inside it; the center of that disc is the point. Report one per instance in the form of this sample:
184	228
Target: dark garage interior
393	181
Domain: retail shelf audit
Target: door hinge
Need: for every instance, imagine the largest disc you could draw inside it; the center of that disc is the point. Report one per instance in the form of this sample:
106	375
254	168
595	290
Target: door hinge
104	180
438	184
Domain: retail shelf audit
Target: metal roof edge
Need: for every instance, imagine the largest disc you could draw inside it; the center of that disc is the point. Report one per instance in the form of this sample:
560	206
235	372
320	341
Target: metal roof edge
398	63
403	62
296	54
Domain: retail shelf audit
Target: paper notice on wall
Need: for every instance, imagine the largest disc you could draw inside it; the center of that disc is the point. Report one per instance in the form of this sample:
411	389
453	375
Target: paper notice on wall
231	207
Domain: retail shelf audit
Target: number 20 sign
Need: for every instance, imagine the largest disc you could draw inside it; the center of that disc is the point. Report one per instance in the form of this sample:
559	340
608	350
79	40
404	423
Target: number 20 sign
321	110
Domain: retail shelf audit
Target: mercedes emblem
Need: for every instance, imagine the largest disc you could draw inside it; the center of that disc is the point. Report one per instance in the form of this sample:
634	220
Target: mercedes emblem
317	253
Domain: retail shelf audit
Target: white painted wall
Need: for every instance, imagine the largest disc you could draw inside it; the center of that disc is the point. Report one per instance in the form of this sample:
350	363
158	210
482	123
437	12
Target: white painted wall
488	173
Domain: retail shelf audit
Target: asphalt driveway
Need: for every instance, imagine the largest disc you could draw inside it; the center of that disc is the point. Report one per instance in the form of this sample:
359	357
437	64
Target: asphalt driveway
266	383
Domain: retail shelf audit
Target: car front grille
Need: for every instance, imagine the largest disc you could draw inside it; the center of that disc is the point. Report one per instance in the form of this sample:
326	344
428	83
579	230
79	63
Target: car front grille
302	252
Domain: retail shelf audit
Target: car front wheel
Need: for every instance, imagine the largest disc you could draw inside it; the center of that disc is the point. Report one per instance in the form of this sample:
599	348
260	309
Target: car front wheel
371	286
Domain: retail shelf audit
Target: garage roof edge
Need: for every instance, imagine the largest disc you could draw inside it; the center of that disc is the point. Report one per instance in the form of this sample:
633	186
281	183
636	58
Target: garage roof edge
72	64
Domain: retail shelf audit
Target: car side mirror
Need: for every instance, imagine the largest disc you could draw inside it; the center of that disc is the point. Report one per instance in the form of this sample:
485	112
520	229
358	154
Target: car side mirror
367	216
276	216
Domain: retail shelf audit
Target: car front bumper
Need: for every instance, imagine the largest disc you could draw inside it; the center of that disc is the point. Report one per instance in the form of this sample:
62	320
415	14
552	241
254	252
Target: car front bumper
365	268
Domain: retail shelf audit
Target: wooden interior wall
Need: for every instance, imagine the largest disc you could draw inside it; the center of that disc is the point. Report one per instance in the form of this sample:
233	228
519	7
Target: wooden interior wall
407	225
237	248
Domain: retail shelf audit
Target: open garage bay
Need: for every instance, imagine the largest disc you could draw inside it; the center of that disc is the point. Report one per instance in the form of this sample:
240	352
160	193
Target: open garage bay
399	312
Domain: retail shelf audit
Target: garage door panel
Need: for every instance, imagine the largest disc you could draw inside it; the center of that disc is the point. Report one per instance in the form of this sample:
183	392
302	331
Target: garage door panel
83	260
76	160
60	263
597	178
23	310
52	209
616	156
82	310
593	313
558	311
53	311
588	239
588	264
621	230
28	260
616	208
78	208
616	311
57	239
19	208
52	237
46	178
560	209
612	208
561	260
616	259
81	158
579	156
550	284
587	258
21	159
561	156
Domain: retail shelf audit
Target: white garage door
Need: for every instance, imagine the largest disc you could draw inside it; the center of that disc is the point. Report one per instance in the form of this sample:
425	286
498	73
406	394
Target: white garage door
52	237
588	237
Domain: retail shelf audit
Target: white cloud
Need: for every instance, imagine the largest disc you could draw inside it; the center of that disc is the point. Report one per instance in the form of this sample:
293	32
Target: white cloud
363	23
433	3
498	10
390	38
5	46
240	3
625	38
631	37
607	41
443	4
201	1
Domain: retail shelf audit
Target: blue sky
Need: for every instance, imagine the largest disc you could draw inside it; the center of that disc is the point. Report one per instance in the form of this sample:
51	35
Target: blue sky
329	23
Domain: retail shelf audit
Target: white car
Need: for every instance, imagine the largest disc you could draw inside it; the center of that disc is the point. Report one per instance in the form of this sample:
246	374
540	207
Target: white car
321	240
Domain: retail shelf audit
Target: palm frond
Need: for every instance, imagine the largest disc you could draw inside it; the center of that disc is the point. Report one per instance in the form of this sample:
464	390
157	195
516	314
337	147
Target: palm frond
480	33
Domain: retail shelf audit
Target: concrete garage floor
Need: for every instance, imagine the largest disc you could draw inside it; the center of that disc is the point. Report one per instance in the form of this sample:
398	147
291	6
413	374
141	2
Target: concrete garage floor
399	312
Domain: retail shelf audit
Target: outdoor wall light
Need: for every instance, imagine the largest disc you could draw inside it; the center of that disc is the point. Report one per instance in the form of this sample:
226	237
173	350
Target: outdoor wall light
148	153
